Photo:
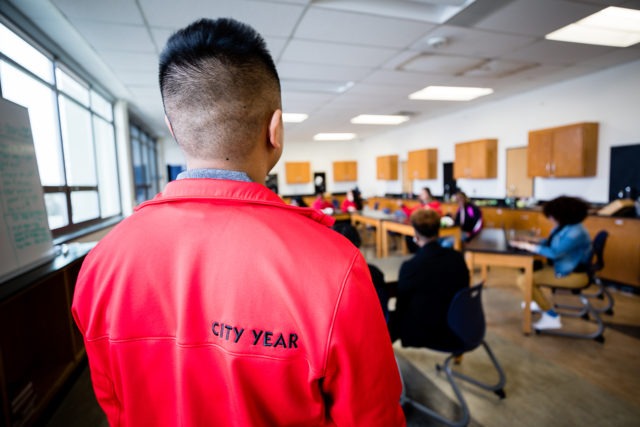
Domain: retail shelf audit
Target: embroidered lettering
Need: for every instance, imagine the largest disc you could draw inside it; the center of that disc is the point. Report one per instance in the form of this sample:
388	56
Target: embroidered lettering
267	339
238	334
256	336
260	337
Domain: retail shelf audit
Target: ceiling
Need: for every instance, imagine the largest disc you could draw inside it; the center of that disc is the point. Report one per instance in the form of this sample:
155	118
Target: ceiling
341	58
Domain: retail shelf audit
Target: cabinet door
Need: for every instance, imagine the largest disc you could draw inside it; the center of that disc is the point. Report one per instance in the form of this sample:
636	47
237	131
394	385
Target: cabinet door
574	150
423	164
622	249
345	171
387	167
461	165
483	157
568	156
539	153
298	172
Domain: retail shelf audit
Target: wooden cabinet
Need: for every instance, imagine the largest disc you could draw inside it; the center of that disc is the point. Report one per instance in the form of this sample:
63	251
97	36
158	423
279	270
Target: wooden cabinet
622	250
476	159
387	167
345	171
298	172
40	346
517	219
565	151
423	164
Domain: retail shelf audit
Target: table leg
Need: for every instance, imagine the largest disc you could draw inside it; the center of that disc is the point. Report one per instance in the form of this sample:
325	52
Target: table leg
528	288
384	242
468	257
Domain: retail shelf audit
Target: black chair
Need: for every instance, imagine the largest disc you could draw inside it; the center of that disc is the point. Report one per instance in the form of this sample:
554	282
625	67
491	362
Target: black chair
466	321
585	309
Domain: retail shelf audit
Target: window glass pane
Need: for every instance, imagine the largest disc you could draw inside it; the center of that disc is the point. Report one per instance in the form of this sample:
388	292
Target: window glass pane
101	106
84	205
138	167
145	162
107	168
72	87
25	54
40	100
56	210
153	170
141	194
77	142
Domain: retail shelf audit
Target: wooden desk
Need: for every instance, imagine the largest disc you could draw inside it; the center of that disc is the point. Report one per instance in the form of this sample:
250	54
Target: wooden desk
490	248
373	219
407	230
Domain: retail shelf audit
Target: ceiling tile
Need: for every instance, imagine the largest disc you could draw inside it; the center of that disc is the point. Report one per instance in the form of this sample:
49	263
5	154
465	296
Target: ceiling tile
115	11
294	70
268	18
555	53
441	64
335	54
472	42
537	17
126	38
336	26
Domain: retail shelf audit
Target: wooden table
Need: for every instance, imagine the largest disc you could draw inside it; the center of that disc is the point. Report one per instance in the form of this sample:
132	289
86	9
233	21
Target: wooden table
407	230
373	219
490	248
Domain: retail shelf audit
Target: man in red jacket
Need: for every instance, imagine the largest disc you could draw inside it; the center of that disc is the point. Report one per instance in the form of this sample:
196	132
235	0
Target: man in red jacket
216	303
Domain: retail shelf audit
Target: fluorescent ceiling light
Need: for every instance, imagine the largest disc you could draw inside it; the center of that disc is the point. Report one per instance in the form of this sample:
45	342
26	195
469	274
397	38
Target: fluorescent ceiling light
372	119
294	117
613	26
334	136
450	93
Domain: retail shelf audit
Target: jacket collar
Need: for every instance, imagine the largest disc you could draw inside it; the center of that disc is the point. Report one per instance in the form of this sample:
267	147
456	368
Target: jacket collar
229	191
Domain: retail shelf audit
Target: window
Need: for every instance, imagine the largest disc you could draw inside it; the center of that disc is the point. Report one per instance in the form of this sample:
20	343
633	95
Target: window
145	161
73	132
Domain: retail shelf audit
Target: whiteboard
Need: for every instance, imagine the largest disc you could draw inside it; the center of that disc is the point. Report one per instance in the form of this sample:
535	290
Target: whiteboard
25	238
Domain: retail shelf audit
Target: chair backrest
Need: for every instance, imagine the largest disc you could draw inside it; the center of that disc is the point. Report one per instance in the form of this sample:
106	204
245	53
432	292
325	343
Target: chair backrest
597	248
466	316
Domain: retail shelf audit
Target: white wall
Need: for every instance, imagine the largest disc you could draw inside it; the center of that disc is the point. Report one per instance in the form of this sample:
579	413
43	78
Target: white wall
610	97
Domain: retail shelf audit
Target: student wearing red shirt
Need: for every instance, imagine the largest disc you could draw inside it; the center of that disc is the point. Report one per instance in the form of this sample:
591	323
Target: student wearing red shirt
206	307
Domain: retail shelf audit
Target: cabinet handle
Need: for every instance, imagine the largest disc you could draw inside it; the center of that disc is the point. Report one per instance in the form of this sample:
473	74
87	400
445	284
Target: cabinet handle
553	167
548	167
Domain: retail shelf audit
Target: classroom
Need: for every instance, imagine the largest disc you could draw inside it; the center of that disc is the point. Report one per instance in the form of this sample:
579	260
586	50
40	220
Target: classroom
86	146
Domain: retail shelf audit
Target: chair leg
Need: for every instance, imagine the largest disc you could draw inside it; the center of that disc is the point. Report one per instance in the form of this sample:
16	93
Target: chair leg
497	388
595	335
466	417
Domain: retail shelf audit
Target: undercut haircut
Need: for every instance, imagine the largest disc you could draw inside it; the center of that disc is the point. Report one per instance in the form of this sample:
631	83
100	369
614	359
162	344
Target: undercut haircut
219	88
426	222
566	210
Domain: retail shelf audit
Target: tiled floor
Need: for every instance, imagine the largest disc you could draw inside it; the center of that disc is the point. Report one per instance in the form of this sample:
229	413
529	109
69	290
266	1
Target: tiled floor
551	381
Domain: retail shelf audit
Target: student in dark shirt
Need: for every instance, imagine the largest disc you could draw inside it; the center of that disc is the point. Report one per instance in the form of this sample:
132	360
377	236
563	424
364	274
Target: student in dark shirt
426	285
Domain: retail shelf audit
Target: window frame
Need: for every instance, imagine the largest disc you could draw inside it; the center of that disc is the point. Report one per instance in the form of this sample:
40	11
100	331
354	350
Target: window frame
71	230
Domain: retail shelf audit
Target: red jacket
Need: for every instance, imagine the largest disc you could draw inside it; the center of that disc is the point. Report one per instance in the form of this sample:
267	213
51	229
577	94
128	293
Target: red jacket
217	304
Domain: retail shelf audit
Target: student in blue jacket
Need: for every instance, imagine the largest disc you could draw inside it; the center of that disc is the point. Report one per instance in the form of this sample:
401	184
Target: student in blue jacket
567	249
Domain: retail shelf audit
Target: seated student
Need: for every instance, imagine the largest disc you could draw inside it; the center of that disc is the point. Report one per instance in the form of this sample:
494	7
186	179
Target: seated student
468	217
320	203
426	285
426	202
298	201
382	289
568	247
352	202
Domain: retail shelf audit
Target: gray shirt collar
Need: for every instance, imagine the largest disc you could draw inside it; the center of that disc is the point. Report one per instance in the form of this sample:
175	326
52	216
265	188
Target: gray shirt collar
215	174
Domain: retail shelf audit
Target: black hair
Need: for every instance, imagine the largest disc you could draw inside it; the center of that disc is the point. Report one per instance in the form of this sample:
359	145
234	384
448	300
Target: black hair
566	210
223	38
219	88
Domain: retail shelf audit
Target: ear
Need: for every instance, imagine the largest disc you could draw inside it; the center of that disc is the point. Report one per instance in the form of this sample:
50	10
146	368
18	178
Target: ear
276	130
166	120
